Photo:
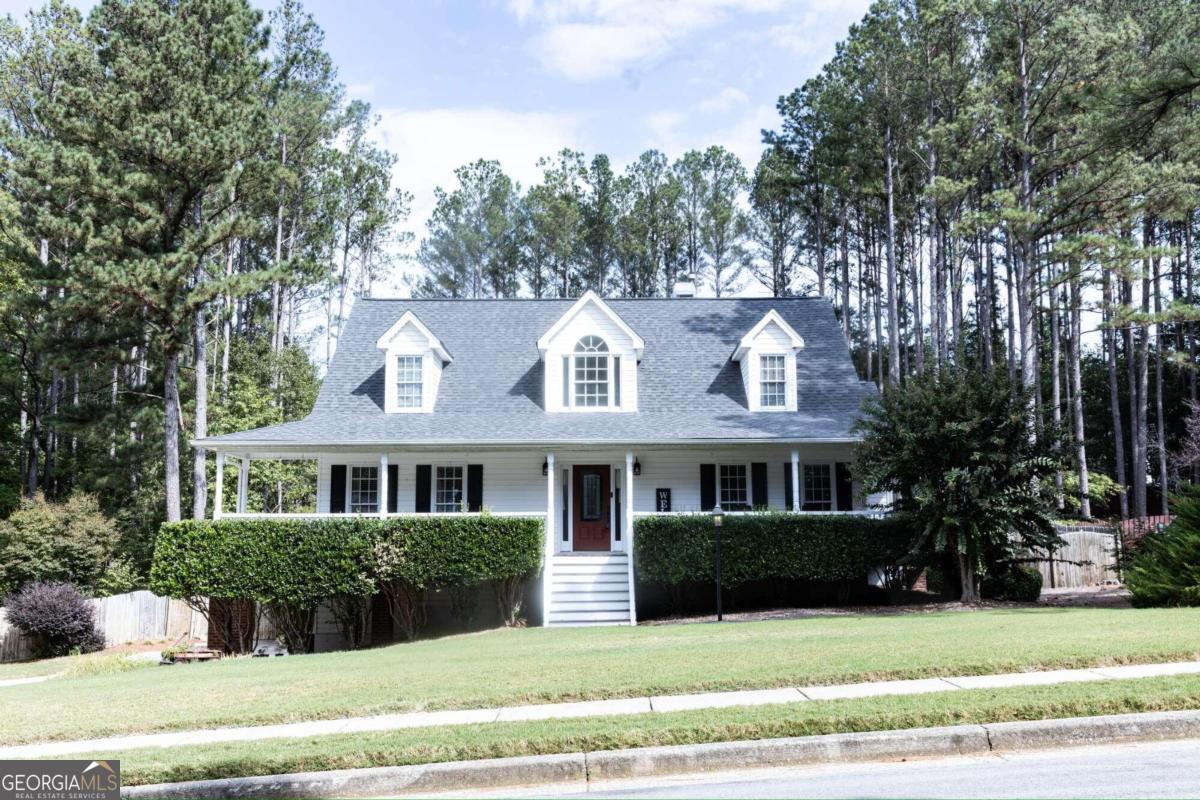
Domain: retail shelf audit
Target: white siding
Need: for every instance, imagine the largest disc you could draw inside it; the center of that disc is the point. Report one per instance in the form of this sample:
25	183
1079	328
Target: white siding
513	481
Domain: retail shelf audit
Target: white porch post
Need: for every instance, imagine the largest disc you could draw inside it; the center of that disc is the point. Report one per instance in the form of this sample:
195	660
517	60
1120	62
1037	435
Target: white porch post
628	511
243	483
796	506
219	489
548	556
383	484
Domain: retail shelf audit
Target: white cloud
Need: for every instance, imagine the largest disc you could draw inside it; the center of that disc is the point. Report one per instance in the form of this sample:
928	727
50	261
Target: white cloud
725	100
360	91
431	143
596	39
813	33
674	133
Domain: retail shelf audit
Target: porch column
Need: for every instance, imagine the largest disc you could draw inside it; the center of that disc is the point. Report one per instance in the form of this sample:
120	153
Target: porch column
383	484
219	489
796	506
628	510
548	555
243	483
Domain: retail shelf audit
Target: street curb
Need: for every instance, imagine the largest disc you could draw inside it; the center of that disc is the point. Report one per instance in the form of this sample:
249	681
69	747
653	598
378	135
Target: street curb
383	781
582	768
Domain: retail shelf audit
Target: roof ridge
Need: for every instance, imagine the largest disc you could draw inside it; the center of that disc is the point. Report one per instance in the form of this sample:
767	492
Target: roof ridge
574	299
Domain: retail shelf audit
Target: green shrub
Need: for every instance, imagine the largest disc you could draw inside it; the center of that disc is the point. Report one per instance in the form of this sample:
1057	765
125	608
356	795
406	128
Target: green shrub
69	541
679	548
1016	583
1165	569
291	565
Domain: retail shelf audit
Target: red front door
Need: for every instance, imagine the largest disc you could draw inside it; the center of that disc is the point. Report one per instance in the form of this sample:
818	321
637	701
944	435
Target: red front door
591	513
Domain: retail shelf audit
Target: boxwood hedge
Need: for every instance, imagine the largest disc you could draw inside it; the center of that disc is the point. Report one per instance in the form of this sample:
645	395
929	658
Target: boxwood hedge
301	562
679	549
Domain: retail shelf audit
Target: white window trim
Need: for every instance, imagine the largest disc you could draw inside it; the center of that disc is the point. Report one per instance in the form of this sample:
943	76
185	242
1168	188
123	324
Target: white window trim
421	383
433	504
749	485
611	394
833	498
349	505
762	357
789	375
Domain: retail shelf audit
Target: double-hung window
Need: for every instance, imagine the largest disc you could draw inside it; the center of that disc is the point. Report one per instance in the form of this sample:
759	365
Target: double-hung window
818	487
591	373
448	490
408	382
364	490
772	381
734	493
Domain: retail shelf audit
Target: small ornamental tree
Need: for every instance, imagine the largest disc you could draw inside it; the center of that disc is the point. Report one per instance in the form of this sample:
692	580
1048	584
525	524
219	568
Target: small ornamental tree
58	618
956	450
1165	570
43	541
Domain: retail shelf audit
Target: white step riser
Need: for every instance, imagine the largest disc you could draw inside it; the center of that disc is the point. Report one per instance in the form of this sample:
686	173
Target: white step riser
592	606
590	616
588	597
589	569
577	581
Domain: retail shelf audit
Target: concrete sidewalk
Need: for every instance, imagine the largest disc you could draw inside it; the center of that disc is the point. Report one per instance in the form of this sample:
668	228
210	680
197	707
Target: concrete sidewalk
595	708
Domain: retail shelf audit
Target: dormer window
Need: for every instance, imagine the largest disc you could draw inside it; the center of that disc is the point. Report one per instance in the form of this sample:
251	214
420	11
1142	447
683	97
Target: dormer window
772	381
413	360
767	357
592	370
590	357
408	381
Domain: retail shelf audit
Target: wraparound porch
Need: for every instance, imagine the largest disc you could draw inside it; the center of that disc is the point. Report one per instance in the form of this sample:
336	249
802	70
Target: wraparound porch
581	493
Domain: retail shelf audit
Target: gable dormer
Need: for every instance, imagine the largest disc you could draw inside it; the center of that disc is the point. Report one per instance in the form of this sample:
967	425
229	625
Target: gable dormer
413	359
767	355
590	357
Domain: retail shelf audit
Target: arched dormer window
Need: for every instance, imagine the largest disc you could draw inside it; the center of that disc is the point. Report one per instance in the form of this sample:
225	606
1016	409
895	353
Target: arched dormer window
593	369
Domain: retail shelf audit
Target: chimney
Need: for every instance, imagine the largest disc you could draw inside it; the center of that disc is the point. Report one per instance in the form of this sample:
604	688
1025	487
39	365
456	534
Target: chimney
684	287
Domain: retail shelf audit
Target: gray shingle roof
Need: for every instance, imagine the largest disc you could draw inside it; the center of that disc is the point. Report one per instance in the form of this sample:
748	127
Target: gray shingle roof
688	387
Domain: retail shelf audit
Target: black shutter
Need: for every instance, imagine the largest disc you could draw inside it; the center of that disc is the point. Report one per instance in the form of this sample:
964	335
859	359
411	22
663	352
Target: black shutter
474	487
845	488
393	485
424	488
337	489
708	486
788	497
758	485
617	380
566	381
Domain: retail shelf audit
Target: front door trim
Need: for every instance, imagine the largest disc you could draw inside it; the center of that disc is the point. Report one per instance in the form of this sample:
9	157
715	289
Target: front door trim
569	545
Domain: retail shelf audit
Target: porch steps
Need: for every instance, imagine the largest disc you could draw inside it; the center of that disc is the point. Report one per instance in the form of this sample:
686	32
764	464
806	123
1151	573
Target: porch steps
589	589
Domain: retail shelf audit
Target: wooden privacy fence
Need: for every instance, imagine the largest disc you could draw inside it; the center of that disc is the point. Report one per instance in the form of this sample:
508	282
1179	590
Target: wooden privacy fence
1089	558
124	618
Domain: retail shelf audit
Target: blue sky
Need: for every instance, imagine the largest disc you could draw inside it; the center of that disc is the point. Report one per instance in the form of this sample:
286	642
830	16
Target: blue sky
518	79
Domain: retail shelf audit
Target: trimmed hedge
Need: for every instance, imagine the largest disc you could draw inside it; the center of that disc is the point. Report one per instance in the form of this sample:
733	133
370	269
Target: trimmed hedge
680	548
300	562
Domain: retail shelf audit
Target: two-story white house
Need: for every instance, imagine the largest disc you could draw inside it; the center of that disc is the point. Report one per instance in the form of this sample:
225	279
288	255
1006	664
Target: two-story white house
589	413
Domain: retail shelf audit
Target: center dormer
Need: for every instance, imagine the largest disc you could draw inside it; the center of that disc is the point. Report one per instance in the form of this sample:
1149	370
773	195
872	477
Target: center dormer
590	356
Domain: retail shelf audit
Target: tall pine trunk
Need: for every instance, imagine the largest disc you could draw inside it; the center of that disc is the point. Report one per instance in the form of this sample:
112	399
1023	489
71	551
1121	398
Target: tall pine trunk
893	300
1085	502
200	423
1114	395
171	430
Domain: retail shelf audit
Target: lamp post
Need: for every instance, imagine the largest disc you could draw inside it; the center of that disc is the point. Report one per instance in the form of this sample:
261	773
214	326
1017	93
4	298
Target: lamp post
718	517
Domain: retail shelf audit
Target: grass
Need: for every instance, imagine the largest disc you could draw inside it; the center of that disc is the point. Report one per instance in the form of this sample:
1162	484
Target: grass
496	740
505	667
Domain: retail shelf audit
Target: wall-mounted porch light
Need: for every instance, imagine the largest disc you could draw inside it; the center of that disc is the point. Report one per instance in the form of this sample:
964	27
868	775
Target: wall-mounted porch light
545	468
637	467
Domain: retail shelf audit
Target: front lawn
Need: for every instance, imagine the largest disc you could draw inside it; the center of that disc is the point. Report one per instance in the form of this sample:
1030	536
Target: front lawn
506	667
275	756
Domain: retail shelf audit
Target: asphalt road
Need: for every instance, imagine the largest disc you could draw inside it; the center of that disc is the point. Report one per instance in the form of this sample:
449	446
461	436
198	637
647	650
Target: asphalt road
1168	769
